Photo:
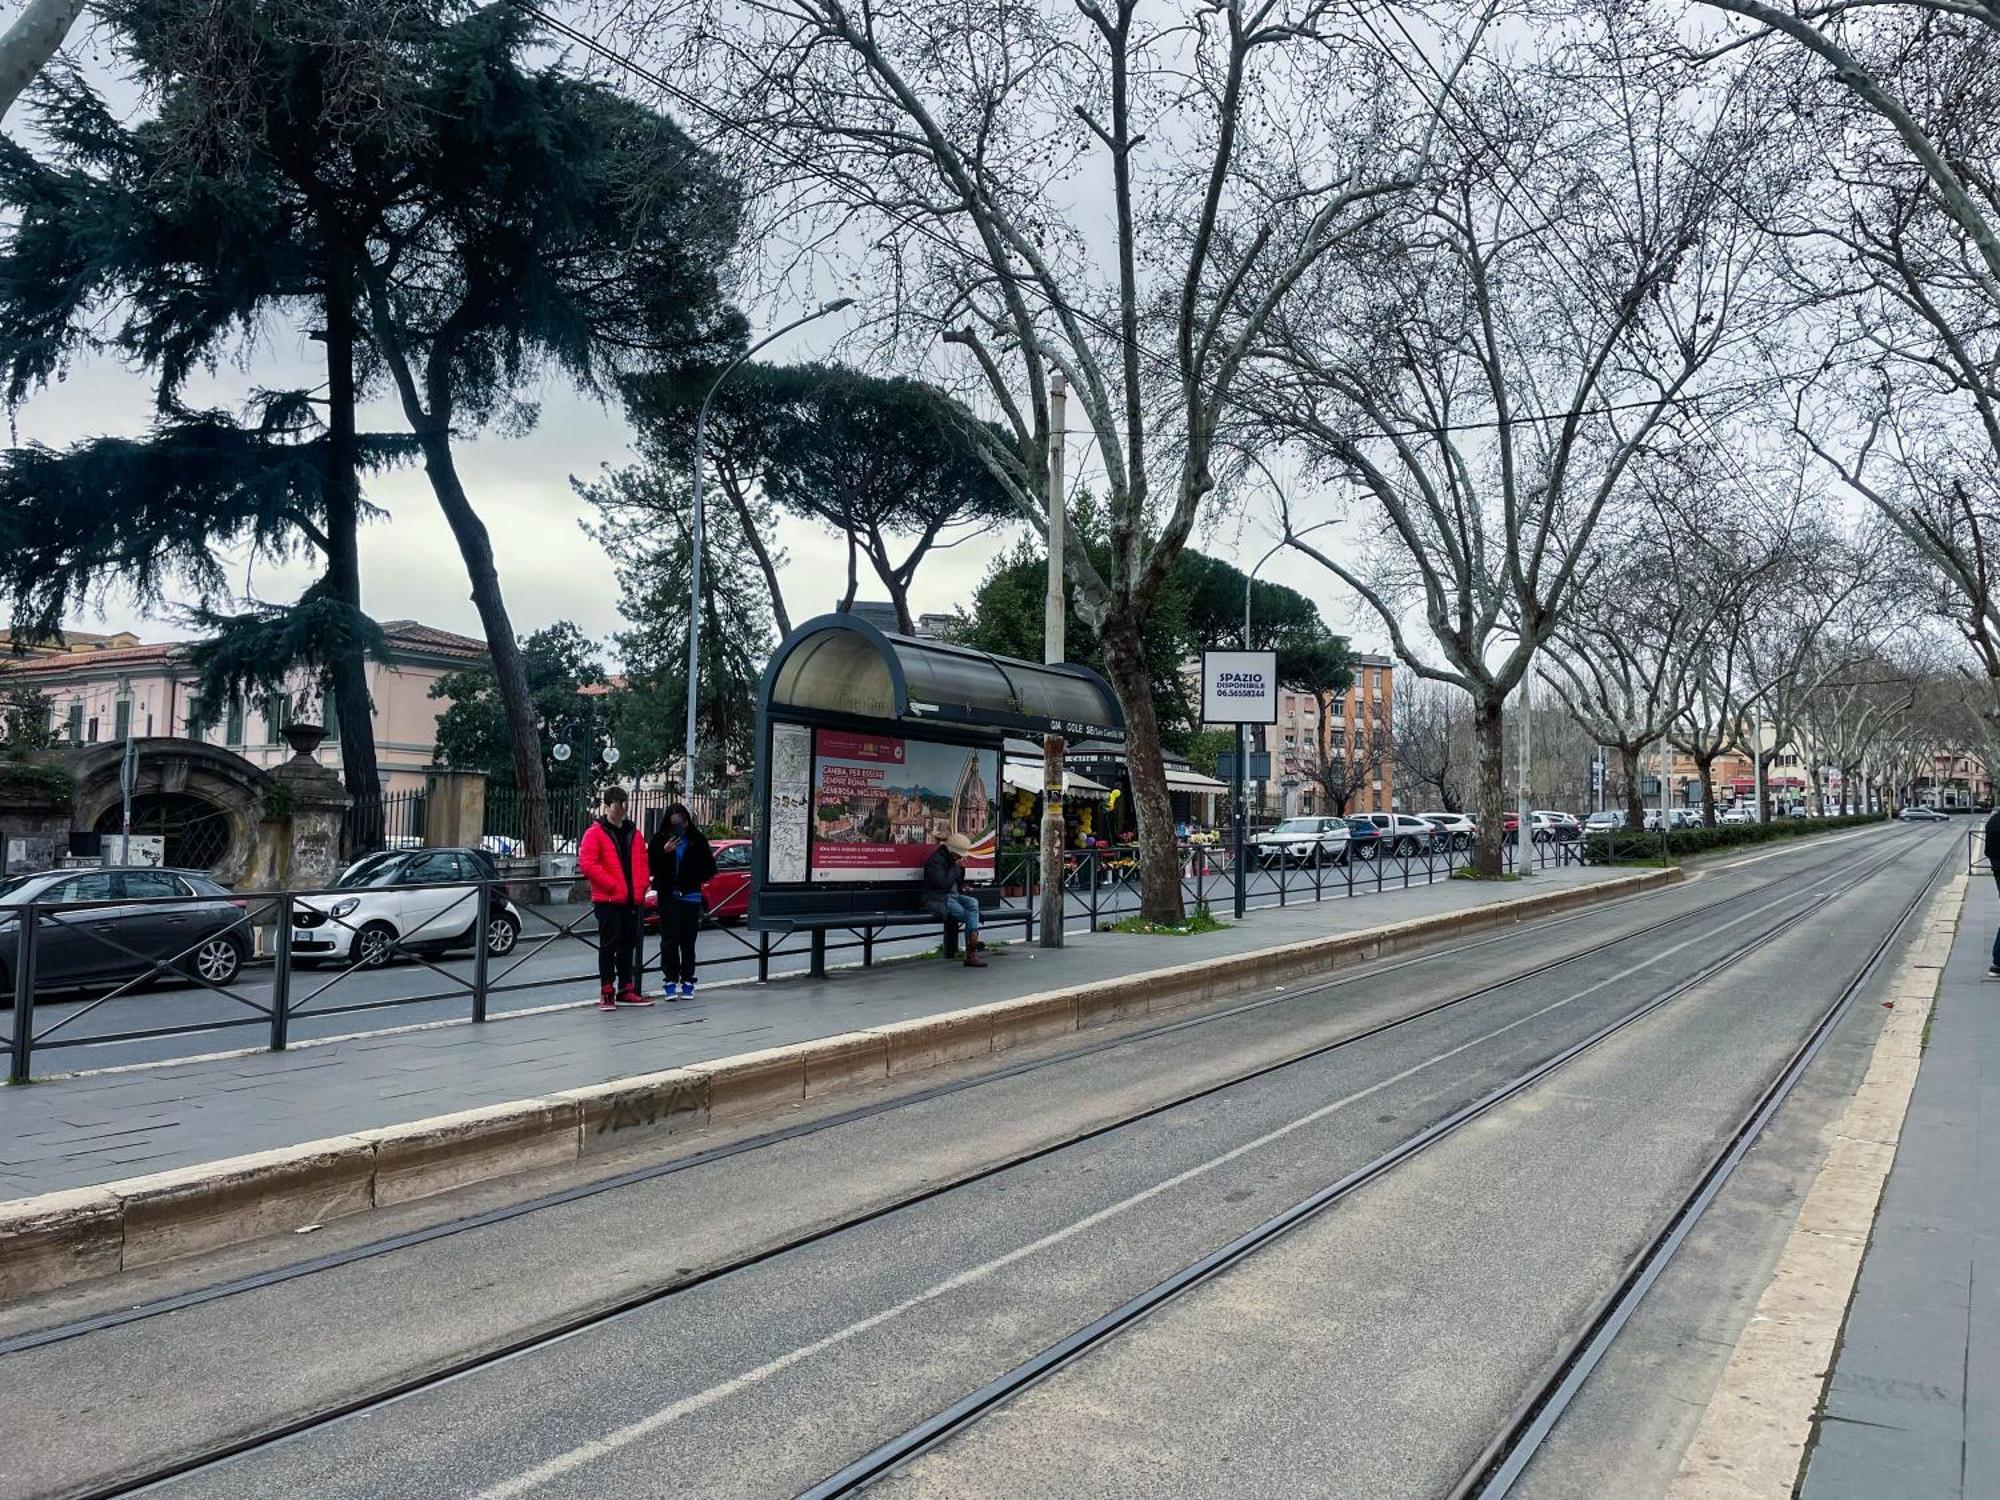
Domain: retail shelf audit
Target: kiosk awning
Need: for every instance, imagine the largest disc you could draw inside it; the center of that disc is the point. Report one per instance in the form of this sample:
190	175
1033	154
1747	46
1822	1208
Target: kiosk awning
1193	781
1025	776
842	664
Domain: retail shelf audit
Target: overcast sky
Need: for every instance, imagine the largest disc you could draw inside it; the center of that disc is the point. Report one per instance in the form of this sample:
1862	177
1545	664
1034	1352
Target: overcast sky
521	485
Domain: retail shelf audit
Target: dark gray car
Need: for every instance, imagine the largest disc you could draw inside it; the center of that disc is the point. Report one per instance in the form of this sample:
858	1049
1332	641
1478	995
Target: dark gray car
106	926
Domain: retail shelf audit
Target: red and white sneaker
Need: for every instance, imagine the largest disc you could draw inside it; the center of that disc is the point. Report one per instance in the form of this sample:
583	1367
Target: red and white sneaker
631	996
604	1001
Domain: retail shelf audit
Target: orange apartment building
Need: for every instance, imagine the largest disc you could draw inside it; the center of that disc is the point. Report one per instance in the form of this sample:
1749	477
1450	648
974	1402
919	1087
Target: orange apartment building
1357	732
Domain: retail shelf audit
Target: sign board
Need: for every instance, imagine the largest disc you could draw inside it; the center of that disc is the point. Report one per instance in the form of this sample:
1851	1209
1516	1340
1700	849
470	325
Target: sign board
28	853
1239	687
1259	763
139	849
882	803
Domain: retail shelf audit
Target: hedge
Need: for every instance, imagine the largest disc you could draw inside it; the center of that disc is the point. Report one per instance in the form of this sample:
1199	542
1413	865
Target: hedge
1639	844
33	783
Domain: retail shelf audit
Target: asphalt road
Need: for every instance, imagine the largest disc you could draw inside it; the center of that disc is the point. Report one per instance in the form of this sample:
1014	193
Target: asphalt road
547	968
1368	1354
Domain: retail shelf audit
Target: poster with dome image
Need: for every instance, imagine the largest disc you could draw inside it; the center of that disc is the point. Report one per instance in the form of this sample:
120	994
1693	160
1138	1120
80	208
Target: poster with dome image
882	803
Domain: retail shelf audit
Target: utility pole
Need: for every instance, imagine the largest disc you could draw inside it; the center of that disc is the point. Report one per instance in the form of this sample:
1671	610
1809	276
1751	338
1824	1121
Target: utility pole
1053	625
1757	766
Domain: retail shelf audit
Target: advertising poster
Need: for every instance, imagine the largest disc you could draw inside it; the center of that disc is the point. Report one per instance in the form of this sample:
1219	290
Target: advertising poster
788	827
881	804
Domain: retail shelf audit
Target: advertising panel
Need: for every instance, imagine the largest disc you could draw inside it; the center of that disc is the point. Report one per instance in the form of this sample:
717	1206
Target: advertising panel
1239	687
882	803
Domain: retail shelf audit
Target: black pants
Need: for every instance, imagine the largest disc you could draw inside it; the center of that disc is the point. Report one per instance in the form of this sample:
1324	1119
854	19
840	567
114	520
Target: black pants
680	921
617	940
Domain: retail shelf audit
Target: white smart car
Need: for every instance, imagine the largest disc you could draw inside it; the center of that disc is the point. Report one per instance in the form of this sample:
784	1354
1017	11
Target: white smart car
403	901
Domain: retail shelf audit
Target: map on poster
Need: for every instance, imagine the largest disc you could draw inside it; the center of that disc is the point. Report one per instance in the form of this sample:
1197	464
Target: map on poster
881	804
789	820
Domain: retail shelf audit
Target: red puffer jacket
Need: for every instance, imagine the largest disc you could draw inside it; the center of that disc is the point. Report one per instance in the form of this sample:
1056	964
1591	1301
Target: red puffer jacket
616	874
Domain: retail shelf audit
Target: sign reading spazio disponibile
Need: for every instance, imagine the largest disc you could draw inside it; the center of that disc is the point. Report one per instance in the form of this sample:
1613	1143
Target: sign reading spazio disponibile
1239	687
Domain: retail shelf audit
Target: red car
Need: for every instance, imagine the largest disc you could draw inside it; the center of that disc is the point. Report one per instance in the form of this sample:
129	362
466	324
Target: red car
725	895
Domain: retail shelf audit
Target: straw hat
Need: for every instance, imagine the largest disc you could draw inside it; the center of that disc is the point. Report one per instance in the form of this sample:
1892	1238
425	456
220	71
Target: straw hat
959	844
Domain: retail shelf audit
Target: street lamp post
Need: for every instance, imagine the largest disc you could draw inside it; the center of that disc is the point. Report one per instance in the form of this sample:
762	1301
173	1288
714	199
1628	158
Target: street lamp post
694	573
1242	798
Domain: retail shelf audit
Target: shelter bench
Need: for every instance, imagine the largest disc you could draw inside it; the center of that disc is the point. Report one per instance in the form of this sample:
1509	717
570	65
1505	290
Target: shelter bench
876	911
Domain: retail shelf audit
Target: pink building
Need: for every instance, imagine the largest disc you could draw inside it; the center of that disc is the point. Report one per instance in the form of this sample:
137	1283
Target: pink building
103	688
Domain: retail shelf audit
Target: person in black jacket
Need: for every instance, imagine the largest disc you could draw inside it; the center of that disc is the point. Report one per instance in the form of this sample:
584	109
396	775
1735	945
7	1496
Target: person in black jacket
681	862
1993	863
944	893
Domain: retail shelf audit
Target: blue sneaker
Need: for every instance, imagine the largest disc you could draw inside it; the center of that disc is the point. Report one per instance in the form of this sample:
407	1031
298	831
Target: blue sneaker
687	989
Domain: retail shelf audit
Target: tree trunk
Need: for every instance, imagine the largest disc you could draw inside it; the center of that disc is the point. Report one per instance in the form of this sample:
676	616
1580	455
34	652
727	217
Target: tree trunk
509	673
35	37
348	671
1159	869
1635	803
1706	766
1489	737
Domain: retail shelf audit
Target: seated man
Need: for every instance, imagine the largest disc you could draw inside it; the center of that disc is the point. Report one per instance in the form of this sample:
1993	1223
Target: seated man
944	893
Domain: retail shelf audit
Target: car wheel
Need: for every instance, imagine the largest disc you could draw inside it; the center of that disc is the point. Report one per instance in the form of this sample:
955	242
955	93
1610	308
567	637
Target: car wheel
503	931
374	945
1462	842
216	960
1367	850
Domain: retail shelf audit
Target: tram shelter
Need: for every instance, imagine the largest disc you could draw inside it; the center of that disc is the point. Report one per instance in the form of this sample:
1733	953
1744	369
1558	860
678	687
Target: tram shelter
872	749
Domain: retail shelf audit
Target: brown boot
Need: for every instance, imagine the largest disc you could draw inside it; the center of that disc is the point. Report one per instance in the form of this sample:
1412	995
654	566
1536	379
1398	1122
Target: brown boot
973	960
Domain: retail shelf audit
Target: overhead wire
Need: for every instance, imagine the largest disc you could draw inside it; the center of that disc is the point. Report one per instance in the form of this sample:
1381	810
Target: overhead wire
794	158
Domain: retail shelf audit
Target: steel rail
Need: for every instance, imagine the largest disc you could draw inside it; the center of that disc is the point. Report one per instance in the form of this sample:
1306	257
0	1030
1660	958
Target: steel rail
1507	1457
899	1450
528	1343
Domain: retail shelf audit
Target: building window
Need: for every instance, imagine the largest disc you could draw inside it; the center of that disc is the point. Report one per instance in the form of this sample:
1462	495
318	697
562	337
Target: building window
329	719
195	713
76	723
276	708
234	732
90	732
121	722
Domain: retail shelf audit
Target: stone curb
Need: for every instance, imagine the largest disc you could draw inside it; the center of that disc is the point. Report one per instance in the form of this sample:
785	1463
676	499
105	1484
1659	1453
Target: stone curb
61	1238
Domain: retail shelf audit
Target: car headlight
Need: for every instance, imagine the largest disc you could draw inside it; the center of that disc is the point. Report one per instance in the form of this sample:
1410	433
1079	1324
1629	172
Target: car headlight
343	908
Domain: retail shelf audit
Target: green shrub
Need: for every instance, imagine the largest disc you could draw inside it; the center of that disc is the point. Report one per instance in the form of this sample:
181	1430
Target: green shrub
1627	846
33	782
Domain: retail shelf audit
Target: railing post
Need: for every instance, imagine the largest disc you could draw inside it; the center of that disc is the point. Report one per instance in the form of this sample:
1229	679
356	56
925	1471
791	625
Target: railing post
1200	858
1093	889
23	1045
764	955
281	974
1282	882
483	904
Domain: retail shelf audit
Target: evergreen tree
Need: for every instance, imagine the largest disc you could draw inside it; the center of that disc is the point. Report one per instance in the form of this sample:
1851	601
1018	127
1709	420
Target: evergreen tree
567	680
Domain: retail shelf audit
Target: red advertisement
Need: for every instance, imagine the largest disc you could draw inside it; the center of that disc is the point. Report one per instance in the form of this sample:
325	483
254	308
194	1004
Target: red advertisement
881	804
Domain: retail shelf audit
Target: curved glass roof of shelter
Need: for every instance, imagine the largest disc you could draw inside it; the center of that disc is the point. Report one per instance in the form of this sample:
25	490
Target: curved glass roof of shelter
842	664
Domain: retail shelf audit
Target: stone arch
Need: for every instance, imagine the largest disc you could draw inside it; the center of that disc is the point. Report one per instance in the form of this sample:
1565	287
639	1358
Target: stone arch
186	785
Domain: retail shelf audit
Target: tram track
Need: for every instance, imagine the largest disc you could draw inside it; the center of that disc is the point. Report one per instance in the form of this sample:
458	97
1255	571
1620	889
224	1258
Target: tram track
1510	1452
38	1338
1806	879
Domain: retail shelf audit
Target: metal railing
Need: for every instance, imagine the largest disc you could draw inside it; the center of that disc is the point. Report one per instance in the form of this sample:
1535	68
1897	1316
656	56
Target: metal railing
480	945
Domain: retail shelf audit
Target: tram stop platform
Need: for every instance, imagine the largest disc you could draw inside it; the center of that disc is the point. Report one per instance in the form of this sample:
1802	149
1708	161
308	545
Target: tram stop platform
1912	1408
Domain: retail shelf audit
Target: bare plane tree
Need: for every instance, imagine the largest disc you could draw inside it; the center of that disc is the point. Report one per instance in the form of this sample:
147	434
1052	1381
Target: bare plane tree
1126	195
1431	728
1532	343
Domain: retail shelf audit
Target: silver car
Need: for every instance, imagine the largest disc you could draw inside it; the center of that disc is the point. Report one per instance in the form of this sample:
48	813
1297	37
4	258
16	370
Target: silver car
1303	841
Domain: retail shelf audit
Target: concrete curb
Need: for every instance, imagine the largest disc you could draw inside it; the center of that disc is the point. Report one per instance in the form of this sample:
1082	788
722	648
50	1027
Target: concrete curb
1752	1435
60	1238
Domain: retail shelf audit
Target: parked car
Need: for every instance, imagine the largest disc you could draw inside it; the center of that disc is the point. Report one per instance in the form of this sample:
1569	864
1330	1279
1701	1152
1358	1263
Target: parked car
205	933
1454	830
1738	812
1916	813
1364	838
403	901
1553	825
1605	821
725	895
1303	841
1400	833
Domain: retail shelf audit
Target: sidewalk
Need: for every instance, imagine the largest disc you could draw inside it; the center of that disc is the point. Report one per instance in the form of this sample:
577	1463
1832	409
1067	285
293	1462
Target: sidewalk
1913	1408
95	1128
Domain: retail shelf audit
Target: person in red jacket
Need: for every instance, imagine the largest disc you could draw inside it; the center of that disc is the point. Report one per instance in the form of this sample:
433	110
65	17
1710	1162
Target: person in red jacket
612	857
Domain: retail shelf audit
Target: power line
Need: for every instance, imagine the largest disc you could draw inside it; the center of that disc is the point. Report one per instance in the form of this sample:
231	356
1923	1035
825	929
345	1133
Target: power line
1117	336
